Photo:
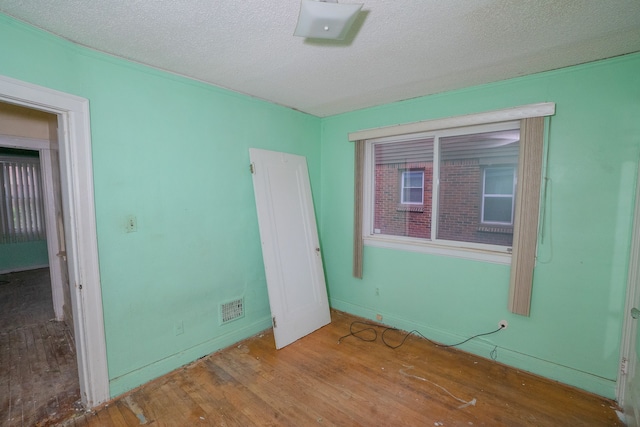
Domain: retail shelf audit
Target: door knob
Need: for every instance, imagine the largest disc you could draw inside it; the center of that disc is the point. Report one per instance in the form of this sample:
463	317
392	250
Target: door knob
635	313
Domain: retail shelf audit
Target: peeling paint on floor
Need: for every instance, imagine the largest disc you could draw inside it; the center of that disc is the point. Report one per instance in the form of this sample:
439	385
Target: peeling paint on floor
135	408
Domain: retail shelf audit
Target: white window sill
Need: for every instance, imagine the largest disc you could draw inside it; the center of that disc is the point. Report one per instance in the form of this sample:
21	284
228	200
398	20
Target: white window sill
499	255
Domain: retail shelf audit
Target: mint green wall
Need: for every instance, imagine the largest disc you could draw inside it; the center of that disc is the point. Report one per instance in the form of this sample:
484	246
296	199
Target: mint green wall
573	333
173	153
23	256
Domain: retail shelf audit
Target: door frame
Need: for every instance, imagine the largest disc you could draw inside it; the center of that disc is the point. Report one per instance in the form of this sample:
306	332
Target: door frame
76	178
628	356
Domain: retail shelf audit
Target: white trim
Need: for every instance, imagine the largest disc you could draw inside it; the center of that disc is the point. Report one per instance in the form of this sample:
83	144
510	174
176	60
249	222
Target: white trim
629	325
24	143
508	114
451	250
80	227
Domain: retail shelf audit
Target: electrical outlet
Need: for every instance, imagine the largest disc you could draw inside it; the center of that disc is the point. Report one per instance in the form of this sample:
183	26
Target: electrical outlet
503	324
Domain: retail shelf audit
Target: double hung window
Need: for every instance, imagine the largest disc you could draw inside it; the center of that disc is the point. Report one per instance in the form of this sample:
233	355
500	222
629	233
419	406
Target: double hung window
498	195
412	192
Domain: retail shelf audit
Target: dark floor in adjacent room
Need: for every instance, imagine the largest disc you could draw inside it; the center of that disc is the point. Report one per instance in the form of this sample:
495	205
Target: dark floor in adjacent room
38	371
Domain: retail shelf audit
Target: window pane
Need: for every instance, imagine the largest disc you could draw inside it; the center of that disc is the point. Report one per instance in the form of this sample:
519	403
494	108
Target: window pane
498	181
403	188
413	179
498	209
462	160
412	195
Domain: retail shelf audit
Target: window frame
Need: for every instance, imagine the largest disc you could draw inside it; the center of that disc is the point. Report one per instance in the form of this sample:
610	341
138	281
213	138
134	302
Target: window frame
468	250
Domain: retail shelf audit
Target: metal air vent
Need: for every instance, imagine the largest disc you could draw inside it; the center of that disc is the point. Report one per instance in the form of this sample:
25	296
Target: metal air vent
231	310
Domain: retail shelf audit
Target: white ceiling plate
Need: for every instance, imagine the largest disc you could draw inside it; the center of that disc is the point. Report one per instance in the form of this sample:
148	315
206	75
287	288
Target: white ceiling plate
396	49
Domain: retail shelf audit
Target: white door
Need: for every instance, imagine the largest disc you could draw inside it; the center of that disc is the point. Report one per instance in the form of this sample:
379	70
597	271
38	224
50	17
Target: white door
55	235
290	245
629	376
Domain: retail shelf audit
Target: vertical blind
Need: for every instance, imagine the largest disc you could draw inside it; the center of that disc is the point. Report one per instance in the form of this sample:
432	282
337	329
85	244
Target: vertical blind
525	230
358	243
21	206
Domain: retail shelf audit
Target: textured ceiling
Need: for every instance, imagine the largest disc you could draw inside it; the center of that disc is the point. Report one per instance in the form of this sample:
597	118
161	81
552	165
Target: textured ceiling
398	49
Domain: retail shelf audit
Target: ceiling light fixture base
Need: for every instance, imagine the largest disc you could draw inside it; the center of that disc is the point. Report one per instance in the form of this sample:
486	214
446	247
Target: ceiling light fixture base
326	19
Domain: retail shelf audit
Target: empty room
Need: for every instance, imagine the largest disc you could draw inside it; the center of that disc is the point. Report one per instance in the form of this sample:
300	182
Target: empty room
312	212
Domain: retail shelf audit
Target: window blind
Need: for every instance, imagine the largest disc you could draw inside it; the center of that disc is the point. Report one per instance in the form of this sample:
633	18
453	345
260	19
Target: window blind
21	210
358	242
525	234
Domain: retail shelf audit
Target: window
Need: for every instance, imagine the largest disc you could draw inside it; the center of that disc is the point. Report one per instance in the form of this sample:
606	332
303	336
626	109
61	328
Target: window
21	206
464	141
455	187
498	195
412	187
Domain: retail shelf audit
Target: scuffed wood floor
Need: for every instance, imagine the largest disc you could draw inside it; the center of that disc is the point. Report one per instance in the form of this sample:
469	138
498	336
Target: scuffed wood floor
318	382
38	371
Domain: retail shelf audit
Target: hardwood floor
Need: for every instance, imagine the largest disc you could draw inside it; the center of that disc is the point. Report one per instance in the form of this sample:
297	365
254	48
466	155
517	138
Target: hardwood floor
38	372
318	381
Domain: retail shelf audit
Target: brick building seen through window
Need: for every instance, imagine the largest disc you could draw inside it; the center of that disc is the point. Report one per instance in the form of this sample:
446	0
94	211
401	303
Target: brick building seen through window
476	187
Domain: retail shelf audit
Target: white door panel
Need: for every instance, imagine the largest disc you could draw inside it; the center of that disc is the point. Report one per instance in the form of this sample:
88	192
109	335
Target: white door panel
628	392
290	246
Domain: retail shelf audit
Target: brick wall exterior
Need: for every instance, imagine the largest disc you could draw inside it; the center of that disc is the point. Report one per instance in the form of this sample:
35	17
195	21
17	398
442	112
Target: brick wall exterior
391	217
459	205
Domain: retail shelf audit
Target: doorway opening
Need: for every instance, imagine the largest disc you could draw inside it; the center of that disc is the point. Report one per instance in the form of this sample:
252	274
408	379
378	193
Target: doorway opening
40	380
77	244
